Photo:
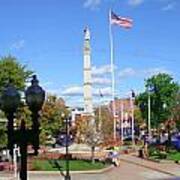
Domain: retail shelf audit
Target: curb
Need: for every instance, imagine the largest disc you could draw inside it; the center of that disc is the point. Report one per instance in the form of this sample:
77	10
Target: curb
74	172
163	161
152	168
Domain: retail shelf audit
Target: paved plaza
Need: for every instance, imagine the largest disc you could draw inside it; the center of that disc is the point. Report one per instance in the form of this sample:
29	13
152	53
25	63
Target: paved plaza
127	171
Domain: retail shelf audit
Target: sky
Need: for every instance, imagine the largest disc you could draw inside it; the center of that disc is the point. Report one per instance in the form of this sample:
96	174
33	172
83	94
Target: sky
47	36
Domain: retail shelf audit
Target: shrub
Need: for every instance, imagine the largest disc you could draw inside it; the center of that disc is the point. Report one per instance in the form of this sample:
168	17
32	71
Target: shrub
153	151
162	155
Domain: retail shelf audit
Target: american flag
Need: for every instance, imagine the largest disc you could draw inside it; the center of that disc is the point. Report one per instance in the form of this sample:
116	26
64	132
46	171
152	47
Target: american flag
121	21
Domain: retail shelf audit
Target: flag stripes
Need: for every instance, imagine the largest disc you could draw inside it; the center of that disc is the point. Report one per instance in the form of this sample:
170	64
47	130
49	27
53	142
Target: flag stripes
121	21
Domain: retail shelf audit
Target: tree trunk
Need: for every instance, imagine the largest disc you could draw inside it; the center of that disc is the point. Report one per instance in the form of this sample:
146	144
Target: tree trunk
169	138
92	154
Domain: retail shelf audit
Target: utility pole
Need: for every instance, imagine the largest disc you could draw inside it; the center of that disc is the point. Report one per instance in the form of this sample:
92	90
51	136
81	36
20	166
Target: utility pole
100	112
149	113
132	115
122	119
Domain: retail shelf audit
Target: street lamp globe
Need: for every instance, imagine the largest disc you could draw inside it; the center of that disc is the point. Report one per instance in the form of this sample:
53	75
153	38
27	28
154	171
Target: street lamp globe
164	105
10	99
35	95
62	115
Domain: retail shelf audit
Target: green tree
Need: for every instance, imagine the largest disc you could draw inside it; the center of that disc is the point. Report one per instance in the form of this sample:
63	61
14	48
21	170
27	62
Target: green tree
175	110
51	118
3	136
23	113
11	71
81	128
162	96
139	121
138	117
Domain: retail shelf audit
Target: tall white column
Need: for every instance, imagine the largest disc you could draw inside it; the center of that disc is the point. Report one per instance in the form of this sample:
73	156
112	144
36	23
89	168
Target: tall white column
88	105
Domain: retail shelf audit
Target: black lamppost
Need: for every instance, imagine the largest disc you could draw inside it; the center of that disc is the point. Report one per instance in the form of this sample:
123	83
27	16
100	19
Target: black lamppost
67	142
67	177
10	101
35	97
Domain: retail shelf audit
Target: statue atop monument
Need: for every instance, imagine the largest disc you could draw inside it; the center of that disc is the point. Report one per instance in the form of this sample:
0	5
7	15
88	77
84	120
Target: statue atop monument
87	33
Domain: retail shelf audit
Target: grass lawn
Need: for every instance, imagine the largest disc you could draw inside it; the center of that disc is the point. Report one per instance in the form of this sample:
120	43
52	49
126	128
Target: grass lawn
59	165
174	156
154	157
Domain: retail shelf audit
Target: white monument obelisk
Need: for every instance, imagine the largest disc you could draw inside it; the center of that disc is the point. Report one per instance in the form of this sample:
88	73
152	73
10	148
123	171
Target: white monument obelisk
88	105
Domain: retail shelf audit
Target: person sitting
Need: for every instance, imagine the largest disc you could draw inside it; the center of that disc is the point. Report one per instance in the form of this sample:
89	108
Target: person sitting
114	156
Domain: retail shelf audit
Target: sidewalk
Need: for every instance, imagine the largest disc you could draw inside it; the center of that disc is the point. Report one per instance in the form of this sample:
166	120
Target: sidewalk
6	176
167	168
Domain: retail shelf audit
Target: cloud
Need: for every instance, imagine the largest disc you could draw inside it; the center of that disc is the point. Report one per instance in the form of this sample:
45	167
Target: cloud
18	44
169	6
73	91
78	91
102	70
127	72
106	91
92	4
135	2
171	3
101	81
155	71
54	91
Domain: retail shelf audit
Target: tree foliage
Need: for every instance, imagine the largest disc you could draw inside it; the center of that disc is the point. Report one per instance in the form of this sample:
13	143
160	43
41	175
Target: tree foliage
105	119
175	110
163	92
87	132
23	113
138	117
93	139
81	128
51	118
11	71
3	136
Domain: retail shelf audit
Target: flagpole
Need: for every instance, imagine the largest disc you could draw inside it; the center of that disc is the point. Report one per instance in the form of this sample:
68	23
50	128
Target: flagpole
113	76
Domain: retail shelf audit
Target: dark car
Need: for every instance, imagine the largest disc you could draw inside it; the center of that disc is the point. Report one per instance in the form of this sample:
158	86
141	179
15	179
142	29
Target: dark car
62	138
175	140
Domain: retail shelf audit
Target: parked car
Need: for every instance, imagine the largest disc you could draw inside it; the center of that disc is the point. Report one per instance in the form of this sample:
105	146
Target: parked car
175	140
62	137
